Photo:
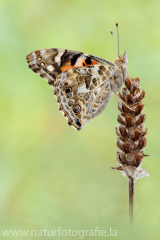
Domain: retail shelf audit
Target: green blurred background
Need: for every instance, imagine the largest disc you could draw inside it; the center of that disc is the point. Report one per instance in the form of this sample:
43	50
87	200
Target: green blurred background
51	175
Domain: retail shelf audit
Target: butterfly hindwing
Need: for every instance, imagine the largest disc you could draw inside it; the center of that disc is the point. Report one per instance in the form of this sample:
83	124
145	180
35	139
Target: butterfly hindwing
83	93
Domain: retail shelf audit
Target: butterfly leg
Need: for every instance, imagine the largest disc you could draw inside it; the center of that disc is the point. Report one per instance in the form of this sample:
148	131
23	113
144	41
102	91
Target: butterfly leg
120	99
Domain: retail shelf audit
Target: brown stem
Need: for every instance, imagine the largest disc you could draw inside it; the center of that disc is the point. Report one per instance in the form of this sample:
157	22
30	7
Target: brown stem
131	198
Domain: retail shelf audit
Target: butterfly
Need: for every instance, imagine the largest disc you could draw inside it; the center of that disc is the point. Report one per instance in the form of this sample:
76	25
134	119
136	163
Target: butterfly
82	83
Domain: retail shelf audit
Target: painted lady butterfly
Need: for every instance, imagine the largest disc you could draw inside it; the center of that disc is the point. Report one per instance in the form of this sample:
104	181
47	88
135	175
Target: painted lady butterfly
82	83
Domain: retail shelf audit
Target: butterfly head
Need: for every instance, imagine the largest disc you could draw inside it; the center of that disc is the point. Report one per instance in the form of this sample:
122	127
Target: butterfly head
121	60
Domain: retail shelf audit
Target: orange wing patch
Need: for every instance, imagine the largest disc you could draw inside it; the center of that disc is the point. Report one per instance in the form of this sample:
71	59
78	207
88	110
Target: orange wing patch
80	63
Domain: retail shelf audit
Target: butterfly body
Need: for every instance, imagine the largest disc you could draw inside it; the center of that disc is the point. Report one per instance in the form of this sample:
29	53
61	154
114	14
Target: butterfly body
82	83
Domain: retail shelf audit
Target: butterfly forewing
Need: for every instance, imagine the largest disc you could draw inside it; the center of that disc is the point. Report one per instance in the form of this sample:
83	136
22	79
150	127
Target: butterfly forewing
49	63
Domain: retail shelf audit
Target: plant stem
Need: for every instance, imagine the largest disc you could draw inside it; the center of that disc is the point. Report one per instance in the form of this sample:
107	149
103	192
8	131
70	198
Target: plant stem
131	197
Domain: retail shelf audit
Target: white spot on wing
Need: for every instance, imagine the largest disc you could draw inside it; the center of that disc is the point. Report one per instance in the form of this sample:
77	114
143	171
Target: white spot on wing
58	57
50	68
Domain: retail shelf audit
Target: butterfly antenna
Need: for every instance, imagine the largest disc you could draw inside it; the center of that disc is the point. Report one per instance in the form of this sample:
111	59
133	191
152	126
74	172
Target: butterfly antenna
114	42
118	36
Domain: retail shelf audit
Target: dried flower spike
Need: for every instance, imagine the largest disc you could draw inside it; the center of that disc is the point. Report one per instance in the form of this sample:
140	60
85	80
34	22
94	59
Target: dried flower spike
131	136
